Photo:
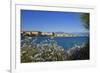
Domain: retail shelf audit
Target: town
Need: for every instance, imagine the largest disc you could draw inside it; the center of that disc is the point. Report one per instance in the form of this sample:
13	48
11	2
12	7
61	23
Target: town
51	34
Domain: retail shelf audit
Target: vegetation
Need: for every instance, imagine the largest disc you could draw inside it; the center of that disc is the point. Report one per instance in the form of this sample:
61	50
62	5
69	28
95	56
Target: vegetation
85	19
85	51
79	54
51	51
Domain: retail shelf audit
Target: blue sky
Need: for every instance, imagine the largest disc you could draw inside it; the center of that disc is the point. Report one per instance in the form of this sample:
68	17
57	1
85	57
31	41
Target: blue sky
51	21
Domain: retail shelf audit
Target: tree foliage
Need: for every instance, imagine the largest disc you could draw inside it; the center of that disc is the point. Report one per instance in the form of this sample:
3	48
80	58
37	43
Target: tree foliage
85	19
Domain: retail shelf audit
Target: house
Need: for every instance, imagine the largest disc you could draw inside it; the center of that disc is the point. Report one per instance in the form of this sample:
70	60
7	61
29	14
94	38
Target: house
47	33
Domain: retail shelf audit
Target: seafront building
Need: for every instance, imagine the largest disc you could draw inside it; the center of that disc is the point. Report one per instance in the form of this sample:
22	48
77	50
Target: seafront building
47	33
54	34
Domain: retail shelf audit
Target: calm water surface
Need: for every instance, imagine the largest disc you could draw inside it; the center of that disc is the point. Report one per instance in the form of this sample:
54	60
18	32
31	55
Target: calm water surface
65	42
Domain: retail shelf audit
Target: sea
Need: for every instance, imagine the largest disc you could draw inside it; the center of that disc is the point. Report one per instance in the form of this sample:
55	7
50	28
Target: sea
64	42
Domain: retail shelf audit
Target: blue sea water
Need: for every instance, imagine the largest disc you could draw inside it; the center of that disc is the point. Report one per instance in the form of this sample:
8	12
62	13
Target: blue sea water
65	42
69	42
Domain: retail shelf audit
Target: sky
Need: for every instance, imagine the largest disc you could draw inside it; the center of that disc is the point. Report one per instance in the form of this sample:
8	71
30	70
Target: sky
51	21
